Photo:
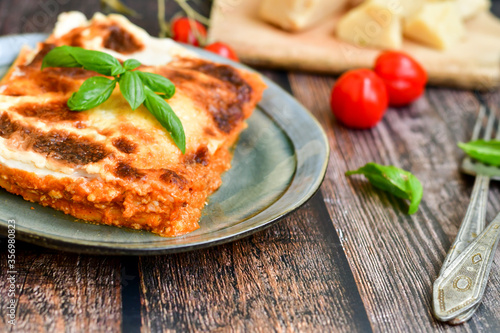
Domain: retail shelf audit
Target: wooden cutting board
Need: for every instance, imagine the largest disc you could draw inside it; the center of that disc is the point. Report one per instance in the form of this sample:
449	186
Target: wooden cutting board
473	64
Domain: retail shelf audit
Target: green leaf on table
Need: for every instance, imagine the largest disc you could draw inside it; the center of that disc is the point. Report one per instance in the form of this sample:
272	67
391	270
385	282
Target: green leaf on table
166	116
132	89
394	180
92	92
158	83
484	151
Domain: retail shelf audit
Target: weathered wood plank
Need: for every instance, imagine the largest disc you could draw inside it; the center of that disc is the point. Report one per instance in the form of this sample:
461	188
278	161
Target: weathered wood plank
130	295
395	257
58	291
291	277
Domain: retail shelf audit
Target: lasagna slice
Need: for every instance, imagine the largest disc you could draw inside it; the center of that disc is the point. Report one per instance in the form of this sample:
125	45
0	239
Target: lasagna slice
110	164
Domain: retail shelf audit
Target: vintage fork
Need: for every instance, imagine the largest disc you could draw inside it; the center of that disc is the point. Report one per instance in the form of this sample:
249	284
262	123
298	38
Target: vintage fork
461	287
474	220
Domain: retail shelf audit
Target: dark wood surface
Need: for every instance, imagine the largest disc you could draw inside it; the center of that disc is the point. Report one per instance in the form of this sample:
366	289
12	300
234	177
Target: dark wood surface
350	260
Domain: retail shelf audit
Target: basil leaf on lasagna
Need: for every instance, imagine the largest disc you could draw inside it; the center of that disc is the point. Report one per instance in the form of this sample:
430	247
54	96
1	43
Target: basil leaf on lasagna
96	61
166	116
93	91
132	89
131	64
158	83
59	57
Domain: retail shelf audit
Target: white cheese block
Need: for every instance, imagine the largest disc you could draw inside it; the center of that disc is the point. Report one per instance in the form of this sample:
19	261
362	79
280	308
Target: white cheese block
297	15
467	9
372	24
470	8
404	7
437	24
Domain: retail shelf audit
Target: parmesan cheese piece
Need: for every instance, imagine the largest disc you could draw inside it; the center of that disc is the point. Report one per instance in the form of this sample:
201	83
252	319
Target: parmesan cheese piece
374	23
297	15
470	8
437	24
404	7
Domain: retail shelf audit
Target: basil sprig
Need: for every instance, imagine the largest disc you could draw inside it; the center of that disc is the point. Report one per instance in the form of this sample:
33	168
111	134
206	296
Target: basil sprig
92	92
484	151
136	87
394	180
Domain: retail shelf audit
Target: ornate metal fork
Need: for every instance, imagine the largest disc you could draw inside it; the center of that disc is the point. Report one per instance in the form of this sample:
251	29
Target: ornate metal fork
472	225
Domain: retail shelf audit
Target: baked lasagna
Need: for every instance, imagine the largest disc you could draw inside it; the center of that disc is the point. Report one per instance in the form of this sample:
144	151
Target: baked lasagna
112	165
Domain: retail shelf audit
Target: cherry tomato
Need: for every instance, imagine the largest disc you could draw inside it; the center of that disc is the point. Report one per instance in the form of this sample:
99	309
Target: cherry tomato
359	99
223	50
182	31
404	77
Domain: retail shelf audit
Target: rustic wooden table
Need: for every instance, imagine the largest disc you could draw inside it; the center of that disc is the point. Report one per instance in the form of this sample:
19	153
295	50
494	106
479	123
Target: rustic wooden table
349	260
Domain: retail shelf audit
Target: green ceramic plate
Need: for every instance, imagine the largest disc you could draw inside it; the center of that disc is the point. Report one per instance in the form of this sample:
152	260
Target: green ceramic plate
278	165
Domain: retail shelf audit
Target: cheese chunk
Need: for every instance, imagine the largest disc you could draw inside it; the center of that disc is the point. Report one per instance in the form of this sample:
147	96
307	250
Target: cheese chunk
437	24
410	7
470	8
297	15
405	7
374	23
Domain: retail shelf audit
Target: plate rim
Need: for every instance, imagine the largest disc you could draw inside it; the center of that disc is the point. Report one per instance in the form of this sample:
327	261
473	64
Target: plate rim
102	248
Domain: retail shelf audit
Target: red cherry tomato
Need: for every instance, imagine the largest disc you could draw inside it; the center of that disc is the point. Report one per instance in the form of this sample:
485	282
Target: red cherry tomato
223	50
182	31
359	99
404	77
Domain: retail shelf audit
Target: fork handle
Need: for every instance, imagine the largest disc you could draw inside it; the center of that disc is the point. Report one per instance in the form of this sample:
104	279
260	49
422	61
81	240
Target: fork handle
471	226
462	284
473	222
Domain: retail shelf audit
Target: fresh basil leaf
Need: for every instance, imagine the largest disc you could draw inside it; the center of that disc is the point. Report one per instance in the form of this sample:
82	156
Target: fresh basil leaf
158	83
166	116
93	91
132	89
131	64
394	180
484	151
59	57
96	61
117	70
